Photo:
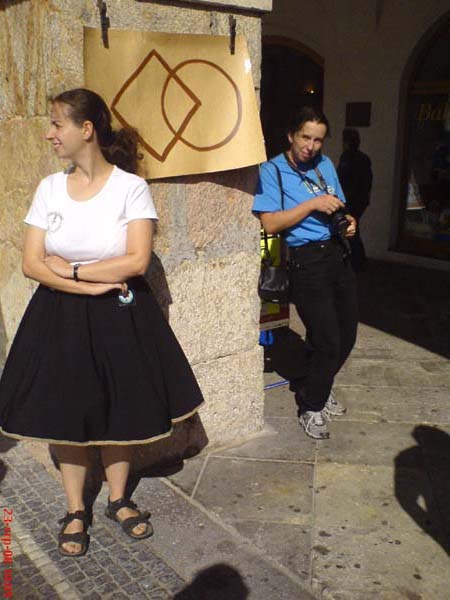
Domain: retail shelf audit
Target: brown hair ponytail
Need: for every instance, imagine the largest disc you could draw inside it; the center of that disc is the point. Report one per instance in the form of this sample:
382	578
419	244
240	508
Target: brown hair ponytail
118	147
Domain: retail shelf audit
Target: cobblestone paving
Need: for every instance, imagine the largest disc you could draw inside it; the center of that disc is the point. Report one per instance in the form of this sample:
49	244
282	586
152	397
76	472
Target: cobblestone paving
115	567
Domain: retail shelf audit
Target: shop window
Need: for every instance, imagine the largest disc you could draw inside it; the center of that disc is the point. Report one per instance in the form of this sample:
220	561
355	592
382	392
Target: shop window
424	224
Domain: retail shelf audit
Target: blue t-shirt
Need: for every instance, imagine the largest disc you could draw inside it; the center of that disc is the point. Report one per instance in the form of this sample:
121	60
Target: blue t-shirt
316	226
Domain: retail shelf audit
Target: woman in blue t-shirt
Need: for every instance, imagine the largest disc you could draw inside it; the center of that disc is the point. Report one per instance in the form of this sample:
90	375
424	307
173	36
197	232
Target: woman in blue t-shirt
323	288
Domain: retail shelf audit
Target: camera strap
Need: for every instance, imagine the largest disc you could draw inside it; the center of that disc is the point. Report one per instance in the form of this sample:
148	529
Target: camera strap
310	183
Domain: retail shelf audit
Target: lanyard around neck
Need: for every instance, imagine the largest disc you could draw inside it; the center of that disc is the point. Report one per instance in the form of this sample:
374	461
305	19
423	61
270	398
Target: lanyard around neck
310	183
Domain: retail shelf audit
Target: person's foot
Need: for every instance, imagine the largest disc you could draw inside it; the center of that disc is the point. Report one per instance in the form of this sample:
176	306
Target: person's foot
333	408
133	521
73	538
314	425
125	513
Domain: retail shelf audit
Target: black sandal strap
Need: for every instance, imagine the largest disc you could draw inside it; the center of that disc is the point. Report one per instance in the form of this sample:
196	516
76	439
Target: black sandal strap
82	515
129	524
115	506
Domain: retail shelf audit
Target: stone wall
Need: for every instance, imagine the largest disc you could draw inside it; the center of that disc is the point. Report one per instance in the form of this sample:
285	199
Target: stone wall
365	47
206	261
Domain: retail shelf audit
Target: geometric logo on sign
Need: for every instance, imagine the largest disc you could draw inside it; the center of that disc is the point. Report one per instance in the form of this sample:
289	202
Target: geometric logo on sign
196	103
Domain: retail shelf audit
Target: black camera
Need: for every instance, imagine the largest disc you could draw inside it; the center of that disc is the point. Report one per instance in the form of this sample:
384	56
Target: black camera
339	224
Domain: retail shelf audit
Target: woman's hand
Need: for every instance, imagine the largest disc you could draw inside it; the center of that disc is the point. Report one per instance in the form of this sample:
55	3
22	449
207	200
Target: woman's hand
59	266
327	204
97	289
351	229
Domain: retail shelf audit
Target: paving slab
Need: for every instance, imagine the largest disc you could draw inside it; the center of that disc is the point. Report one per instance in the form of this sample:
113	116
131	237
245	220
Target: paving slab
394	373
186	477
280	401
198	545
370	344
395	404
367	540
256	490
284	441
287	543
368	444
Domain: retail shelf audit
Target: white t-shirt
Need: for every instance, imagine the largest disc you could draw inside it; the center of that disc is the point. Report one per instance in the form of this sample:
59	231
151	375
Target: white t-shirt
94	229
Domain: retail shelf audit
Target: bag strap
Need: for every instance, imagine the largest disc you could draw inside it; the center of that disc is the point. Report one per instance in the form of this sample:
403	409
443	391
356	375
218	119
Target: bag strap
280	182
307	180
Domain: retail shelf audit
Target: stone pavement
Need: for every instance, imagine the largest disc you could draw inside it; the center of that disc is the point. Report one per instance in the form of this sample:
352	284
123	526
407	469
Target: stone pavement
364	515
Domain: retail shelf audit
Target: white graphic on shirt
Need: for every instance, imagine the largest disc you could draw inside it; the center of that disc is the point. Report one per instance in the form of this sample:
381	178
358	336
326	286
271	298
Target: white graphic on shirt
316	190
54	221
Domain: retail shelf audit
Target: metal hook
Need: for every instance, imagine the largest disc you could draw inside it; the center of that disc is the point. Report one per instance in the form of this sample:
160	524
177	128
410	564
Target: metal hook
232	22
104	22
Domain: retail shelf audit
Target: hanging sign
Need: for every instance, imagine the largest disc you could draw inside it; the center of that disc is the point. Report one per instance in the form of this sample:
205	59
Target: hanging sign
191	98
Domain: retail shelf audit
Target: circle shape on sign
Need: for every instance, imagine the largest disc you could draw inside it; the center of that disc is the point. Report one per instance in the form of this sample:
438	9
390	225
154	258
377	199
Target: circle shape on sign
237	123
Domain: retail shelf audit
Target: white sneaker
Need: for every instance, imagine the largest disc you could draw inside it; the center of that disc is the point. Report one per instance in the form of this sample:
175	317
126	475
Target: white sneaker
314	425
333	408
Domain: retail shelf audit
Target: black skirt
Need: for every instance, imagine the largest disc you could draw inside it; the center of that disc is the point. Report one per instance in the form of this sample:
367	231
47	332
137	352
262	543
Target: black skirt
86	370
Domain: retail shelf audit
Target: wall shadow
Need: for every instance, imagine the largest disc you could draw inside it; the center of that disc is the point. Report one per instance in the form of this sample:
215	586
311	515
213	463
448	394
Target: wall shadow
219	582
156	279
422	482
411	303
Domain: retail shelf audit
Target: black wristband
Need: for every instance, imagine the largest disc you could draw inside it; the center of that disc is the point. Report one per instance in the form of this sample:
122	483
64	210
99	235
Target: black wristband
75	271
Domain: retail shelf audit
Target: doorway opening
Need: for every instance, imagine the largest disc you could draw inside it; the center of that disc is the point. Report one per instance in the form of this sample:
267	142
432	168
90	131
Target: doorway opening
291	76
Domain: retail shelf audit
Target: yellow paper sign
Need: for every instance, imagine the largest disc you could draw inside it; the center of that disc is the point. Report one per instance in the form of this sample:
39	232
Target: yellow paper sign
191	100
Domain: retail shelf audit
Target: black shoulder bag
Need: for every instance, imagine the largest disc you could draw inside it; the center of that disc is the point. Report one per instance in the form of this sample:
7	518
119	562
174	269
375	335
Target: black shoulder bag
273	284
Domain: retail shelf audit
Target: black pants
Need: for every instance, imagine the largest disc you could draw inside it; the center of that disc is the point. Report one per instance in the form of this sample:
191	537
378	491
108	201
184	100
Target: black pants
323	289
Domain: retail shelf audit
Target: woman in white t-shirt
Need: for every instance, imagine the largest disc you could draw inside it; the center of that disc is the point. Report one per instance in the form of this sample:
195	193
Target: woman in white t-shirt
93	362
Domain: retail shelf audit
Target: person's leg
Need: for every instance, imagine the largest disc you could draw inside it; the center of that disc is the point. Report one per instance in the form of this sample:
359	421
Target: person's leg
323	338
73	465
117	462
346	302
312	294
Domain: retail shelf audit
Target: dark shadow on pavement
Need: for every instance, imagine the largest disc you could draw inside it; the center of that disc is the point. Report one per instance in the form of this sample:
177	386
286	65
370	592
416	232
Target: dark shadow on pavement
411	303
424	492
219	582
158	459
287	355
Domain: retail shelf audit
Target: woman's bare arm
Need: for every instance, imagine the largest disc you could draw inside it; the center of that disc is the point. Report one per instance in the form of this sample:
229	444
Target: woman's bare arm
34	267
274	222
134	262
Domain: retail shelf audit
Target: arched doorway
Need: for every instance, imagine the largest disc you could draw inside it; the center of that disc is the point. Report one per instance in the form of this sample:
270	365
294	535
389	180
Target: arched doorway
291	76
424	214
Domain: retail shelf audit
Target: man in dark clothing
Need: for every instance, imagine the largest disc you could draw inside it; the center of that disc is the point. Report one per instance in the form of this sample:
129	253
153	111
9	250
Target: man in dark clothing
355	174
